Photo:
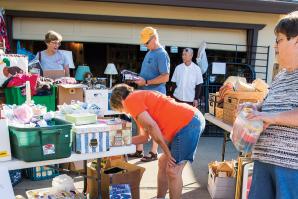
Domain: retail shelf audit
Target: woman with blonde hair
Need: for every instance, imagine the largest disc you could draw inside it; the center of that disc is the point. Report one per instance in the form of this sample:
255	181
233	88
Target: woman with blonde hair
175	126
52	58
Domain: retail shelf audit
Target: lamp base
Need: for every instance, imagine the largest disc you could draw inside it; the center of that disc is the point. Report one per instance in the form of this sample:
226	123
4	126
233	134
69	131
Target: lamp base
111	81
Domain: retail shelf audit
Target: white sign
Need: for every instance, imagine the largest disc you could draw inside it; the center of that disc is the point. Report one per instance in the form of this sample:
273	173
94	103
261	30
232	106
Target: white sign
218	68
143	48
69	58
174	49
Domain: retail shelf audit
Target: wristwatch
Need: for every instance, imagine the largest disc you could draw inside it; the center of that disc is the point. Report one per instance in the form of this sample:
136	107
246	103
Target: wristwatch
146	83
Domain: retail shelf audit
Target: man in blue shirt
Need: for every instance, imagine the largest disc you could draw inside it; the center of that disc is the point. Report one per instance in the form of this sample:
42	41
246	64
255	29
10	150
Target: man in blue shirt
155	72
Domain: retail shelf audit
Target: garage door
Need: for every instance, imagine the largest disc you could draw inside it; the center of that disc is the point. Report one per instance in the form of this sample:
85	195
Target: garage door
122	33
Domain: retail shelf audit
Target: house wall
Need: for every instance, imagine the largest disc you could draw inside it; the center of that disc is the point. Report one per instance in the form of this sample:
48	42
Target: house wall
128	33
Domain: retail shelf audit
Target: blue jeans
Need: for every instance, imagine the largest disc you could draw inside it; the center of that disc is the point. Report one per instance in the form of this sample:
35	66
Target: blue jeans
273	182
183	146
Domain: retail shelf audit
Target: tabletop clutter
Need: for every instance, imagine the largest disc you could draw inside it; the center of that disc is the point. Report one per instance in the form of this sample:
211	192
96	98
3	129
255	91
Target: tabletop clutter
48	116
36	135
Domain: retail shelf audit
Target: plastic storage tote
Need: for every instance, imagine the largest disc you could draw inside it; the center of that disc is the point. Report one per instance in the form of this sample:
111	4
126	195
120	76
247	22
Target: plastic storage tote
14	96
44	143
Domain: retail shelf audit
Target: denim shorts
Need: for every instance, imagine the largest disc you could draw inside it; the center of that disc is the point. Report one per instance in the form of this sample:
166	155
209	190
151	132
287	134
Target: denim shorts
183	146
271	181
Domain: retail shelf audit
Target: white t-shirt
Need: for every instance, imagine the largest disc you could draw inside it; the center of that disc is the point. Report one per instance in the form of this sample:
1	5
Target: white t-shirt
186	79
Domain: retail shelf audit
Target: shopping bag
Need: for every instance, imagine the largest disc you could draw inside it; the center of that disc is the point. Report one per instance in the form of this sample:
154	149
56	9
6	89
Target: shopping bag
23	51
10	64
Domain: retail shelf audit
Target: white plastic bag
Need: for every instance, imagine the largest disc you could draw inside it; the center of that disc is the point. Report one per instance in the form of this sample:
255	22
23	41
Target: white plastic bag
202	60
62	183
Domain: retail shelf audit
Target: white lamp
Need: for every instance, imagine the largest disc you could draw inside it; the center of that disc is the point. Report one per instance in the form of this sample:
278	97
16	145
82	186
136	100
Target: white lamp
111	70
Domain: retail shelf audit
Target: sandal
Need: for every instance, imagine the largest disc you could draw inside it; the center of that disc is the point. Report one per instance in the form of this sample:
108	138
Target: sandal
137	154
151	157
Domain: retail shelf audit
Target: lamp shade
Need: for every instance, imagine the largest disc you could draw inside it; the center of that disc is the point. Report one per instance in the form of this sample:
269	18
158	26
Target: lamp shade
81	71
111	69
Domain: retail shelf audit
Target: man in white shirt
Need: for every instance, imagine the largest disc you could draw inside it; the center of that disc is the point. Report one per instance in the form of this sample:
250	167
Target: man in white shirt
188	79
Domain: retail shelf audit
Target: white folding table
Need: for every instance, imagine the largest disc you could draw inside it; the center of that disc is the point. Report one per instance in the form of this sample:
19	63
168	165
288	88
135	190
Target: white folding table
226	127
114	151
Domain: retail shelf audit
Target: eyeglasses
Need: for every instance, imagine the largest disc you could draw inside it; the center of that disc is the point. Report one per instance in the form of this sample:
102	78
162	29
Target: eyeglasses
146	44
58	43
278	40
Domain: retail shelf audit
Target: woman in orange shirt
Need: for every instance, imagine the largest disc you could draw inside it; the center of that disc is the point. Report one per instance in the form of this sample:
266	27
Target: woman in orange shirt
176	127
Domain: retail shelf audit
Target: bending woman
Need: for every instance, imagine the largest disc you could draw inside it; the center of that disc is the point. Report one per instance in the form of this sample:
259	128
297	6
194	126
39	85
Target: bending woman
176	127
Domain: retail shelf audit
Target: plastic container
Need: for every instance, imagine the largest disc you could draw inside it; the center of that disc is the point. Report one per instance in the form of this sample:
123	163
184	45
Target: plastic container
44	143
14	96
41	173
245	133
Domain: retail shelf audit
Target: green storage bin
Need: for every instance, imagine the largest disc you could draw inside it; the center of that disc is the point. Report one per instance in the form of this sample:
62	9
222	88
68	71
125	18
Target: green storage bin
14	96
44	143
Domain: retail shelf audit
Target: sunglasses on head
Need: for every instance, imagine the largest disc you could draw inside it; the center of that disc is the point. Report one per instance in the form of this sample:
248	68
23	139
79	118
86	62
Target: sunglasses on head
149	40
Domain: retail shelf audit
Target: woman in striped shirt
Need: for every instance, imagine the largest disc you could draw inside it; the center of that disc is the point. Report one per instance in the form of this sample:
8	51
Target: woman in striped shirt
275	154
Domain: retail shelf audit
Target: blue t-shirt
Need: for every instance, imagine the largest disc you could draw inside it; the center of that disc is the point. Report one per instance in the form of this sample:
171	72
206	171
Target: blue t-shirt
56	61
155	63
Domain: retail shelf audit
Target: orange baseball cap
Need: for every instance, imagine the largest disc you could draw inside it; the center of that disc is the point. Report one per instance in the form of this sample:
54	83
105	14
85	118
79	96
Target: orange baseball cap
146	34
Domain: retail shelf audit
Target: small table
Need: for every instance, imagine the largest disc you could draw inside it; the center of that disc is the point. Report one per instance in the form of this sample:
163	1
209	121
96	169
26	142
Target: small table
226	127
114	151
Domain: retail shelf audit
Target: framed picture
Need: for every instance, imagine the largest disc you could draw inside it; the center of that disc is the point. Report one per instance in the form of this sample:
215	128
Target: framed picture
246	180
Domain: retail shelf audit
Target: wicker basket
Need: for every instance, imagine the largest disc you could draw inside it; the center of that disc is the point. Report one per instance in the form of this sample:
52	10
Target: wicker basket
218	112
233	99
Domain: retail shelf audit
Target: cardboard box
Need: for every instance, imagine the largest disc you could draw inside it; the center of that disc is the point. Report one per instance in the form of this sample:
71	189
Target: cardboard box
123	136
221	187
54	74
93	137
132	176
5	152
81	118
69	92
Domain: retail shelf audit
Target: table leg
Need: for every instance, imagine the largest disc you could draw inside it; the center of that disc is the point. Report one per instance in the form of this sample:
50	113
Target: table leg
224	146
85	177
99	178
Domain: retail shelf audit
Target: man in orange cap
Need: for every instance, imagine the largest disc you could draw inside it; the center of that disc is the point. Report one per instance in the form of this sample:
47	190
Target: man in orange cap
155	72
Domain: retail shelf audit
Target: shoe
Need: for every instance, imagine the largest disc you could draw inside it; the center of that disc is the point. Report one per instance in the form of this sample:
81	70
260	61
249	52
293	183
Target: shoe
137	154
150	157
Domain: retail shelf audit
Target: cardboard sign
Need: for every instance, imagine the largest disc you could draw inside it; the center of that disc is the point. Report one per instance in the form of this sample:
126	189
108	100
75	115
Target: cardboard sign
10	64
54	74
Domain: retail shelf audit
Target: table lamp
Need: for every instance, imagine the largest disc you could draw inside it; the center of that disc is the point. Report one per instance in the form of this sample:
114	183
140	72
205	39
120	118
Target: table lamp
80	72
111	70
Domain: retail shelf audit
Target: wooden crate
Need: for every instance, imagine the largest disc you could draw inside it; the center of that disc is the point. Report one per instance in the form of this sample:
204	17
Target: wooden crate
233	99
